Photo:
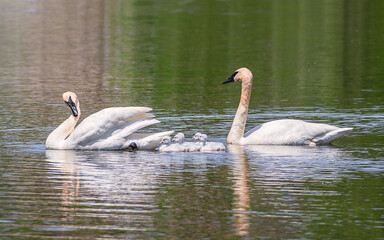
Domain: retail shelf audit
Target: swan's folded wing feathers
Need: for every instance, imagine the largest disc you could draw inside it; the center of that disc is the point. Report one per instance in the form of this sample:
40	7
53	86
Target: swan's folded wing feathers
287	131
102	122
117	140
331	136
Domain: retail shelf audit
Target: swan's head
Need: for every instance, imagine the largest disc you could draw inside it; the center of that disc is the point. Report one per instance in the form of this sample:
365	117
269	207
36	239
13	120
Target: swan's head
196	137
240	75
179	138
72	101
166	140
203	138
132	147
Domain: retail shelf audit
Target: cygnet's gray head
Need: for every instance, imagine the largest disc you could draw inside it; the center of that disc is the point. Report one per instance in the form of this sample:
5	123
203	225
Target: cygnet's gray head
196	137
179	138
203	137
166	140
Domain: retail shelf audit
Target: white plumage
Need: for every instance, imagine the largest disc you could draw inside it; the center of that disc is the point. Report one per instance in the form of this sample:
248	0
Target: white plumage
293	132
208	146
109	129
168	146
189	146
279	132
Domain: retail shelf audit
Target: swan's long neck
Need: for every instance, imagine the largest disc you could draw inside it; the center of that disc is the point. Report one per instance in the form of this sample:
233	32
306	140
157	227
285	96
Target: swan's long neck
238	125
56	139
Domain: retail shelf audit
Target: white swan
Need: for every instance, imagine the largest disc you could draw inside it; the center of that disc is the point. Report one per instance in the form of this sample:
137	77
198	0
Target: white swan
167	146
189	146
109	129
279	132
209	146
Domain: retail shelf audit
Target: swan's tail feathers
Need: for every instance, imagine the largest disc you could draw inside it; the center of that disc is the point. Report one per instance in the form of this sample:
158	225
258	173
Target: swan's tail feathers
144	116
329	137
133	127
147	141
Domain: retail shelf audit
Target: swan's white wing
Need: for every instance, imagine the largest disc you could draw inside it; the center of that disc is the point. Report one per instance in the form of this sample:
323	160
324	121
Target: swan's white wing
291	132
330	136
147	141
106	123
116	139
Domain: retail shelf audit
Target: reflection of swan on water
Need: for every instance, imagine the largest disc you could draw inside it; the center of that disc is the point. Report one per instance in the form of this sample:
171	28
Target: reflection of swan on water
109	129
69	178
113	184
295	152
104	168
296	162
268	180
241	190
279	132
119	181
130	179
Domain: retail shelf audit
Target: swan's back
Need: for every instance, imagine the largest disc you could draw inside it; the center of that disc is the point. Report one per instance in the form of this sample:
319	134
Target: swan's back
293	132
109	127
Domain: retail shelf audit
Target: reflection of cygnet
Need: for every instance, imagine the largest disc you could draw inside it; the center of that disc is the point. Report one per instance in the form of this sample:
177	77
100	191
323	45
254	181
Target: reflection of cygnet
166	146
210	146
189	146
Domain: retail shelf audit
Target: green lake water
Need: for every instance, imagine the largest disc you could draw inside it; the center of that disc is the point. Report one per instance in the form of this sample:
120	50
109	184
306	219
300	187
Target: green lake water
319	61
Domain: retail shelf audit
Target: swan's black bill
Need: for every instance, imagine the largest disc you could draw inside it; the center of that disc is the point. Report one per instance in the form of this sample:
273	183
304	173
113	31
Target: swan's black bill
231	78
132	147
72	106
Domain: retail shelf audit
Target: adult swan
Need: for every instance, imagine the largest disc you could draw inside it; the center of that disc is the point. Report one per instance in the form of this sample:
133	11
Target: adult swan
109	129
279	132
